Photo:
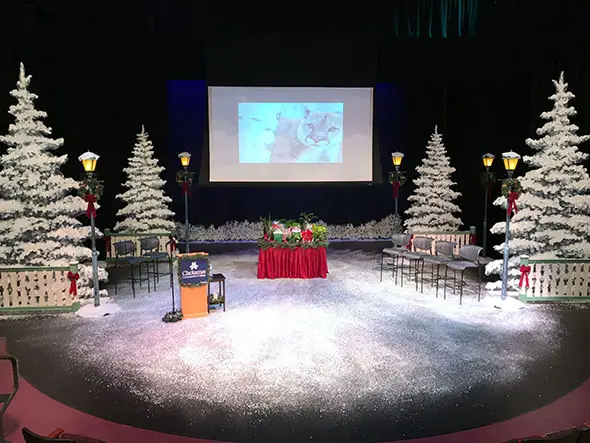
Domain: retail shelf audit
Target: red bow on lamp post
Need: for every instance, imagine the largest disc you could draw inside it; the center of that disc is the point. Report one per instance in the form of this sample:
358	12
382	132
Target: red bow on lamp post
90	209
395	186
172	242
410	244
524	276
73	278
186	188
511	207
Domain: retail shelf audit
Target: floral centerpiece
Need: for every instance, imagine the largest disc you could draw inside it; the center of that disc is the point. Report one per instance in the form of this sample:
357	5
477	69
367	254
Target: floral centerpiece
290	233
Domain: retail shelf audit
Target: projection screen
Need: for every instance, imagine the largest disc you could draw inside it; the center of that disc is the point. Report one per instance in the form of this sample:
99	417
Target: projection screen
288	134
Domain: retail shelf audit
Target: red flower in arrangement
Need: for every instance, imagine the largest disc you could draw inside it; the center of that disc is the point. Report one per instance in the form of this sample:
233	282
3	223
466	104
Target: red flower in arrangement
266	236
307	235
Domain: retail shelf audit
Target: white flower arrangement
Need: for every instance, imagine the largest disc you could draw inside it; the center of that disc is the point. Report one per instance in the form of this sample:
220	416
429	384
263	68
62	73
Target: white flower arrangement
252	231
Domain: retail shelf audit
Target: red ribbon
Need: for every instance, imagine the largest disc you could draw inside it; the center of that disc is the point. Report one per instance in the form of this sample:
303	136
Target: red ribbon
524	276
107	245
186	188
90	209
172	243
409	246
396	185
472	239
512	197
307	235
73	278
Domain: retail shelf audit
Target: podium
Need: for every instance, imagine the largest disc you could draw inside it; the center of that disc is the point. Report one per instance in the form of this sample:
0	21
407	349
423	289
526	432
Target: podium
193	279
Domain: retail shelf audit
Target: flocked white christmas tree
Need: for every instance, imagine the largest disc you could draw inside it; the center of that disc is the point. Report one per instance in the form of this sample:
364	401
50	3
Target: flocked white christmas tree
432	207
553	218
38	225
146	206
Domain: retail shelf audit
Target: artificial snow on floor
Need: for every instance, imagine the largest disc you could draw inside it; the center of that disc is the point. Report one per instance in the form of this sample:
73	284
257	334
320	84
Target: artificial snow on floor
341	343
106	307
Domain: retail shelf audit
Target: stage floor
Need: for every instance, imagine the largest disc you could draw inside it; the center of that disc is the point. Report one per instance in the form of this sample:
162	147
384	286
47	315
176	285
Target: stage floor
346	359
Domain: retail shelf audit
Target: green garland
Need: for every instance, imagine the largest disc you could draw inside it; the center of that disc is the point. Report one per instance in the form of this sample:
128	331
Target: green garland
267	244
397	176
184	176
193	257
511	185
172	316
91	185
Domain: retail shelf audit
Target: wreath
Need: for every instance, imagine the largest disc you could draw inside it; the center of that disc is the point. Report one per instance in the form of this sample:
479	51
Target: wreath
511	185
91	186
397	176
191	258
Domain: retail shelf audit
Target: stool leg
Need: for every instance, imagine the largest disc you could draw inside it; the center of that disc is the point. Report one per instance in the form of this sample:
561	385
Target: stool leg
445	291
133	280
382	255
223	295
422	279
479	283
461	290
437	277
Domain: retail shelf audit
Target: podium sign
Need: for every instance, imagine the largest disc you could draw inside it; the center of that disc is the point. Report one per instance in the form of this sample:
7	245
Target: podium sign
194	272
193	279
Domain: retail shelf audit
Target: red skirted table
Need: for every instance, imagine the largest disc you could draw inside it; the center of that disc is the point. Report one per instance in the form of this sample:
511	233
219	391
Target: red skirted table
292	262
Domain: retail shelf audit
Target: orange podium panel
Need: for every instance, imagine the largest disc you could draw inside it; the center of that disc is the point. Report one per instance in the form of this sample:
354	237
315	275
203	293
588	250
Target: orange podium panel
193	279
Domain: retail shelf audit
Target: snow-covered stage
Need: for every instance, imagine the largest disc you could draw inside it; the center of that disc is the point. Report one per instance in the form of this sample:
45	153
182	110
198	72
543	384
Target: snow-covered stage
342	359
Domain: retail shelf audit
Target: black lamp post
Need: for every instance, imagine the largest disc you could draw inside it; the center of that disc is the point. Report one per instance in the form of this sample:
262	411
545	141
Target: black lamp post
185	178
397	179
511	189
91	190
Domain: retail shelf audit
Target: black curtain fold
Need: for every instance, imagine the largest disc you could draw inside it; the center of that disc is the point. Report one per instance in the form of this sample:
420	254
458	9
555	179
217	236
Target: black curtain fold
451	17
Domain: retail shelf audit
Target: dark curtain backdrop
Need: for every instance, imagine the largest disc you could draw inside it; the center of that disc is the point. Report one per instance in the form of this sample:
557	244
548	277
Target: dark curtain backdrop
101	73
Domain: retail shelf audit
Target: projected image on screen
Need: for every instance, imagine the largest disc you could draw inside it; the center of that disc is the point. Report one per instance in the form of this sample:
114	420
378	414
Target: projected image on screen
290	132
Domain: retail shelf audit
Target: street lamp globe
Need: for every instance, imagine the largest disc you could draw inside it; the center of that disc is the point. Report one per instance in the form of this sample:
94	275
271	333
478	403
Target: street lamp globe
89	160
510	161
488	159
396	158
185	159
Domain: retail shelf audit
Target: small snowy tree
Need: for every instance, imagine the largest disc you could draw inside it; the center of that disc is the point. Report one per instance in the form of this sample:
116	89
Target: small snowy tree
146	204
38	225
432	206
553	218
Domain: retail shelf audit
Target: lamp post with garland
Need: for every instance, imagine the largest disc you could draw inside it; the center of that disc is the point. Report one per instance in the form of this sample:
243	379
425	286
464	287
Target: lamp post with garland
397	178
185	178
91	189
511	190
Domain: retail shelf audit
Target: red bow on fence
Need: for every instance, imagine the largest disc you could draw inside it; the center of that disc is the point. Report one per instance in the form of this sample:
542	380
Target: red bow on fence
73	278
90	209
395	186
186	188
409	246
524	276
511	207
472	239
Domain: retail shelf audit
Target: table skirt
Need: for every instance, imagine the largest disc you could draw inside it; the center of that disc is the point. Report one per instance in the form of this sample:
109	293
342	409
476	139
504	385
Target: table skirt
292	263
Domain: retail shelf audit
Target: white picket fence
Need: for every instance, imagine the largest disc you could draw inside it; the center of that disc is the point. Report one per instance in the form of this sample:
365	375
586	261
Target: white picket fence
555	280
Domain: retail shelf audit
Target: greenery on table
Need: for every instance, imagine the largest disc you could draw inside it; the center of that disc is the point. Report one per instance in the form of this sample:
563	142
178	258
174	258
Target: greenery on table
293	233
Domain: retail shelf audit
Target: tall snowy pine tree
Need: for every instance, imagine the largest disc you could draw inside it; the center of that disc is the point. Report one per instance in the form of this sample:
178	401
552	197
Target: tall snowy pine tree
37	209
432	206
39	225
146	204
553	218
